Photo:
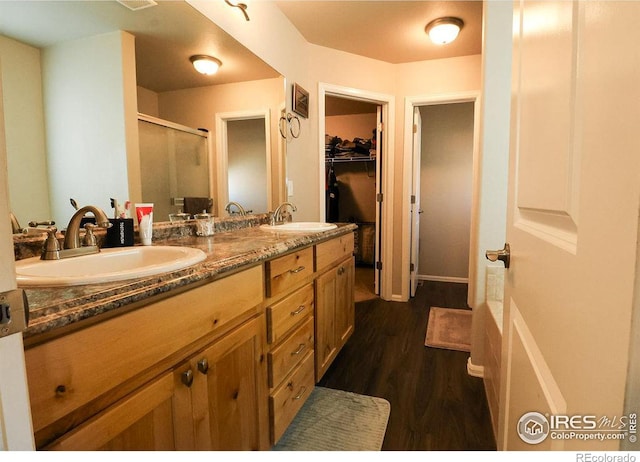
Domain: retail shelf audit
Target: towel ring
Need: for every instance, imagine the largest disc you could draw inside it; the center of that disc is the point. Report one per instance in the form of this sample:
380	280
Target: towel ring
289	123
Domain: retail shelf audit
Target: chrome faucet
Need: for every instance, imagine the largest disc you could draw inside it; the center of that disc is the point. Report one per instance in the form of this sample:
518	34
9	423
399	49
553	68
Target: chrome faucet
278	218
240	208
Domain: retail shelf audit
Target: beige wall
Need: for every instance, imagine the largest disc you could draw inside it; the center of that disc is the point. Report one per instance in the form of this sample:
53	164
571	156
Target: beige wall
446	176
197	107
273	38
351	126
24	119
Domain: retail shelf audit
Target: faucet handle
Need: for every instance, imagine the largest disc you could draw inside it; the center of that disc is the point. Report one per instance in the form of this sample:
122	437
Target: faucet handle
89	238
51	249
35	224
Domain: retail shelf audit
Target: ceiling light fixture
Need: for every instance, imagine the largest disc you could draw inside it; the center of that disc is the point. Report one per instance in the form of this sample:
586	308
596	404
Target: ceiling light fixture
204	64
243	7
444	30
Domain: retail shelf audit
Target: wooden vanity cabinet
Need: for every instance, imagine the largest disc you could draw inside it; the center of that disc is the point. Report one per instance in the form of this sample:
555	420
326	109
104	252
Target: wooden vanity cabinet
335	306
290	334
223	366
83	383
221	392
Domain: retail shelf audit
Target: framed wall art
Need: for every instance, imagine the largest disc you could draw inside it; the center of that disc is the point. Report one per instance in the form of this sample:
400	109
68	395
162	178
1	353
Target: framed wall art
300	101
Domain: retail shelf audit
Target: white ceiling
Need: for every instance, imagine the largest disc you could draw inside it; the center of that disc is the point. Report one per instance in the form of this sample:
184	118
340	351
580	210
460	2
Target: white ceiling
167	34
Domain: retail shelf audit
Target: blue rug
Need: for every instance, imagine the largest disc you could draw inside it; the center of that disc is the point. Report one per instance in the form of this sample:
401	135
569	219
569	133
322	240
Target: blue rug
335	420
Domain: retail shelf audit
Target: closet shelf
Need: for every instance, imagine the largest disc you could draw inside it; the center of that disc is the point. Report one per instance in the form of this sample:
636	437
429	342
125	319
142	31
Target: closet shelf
335	160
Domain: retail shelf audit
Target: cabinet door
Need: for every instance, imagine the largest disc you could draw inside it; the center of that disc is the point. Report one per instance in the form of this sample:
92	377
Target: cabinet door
345	305
229	392
326	344
334	313
143	421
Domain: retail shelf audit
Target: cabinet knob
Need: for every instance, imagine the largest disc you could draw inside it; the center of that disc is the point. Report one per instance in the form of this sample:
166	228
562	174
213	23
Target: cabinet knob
341	271
203	365
187	378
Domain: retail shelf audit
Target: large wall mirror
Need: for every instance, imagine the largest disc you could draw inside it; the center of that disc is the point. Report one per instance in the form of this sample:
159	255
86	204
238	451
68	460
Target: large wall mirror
78	75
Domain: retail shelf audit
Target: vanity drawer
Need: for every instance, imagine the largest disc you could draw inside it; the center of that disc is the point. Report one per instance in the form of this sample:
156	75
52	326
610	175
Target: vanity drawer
285	272
71	371
287	313
334	250
288	354
288	398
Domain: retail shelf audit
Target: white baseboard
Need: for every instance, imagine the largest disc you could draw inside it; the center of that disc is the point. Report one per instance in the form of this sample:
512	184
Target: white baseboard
474	370
424	277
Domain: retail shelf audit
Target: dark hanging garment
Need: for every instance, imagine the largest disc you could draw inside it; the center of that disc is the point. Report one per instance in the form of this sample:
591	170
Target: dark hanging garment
333	196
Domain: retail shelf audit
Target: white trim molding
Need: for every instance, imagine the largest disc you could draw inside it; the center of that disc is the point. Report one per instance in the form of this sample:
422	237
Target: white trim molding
427	100
388	169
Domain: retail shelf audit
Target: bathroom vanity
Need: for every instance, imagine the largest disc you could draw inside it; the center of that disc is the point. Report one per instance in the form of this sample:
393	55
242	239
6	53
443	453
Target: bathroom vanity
217	356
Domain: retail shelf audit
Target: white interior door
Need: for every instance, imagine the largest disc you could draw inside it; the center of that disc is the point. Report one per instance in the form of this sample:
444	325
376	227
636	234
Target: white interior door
378	236
415	201
16	431
572	224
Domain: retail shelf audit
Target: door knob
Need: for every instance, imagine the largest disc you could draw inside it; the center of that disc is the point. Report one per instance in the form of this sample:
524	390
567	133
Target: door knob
503	255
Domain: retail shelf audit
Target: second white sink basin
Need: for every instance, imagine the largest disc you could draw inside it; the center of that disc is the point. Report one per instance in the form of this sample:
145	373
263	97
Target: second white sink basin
115	264
301	227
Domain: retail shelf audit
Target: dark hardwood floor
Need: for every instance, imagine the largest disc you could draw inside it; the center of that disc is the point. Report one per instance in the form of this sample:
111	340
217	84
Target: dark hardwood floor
435	404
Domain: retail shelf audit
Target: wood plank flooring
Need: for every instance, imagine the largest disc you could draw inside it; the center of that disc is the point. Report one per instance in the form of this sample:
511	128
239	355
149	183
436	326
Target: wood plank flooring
435	404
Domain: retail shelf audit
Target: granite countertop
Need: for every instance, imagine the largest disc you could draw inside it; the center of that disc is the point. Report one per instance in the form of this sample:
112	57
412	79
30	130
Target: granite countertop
57	307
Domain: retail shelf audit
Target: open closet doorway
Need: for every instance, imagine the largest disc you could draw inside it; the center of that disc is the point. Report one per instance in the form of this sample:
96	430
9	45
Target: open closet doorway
442	193
352	173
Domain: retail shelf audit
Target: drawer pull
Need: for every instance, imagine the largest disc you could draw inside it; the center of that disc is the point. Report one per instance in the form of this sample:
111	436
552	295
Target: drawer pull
203	366
298	311
297	270
299	350
301	394
341	271
187	378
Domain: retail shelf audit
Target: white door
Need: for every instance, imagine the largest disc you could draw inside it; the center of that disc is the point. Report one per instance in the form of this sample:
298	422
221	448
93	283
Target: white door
574	189
415	201
16	432
379	173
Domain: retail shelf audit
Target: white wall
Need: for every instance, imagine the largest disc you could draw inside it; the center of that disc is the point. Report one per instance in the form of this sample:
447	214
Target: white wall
445	191
85	111
489	223
25	134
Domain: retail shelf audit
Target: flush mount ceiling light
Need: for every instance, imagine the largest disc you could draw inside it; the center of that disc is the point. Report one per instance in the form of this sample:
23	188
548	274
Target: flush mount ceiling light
204	64
444	30
242	6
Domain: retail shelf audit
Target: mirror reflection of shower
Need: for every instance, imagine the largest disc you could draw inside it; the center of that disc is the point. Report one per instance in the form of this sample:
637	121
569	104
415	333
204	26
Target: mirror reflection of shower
175	162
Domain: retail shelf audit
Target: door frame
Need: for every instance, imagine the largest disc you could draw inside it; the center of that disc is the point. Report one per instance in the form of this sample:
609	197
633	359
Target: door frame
385	227
222	152
411	102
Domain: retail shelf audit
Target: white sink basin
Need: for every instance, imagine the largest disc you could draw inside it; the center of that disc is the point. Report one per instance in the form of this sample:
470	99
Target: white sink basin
301	227
115	264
